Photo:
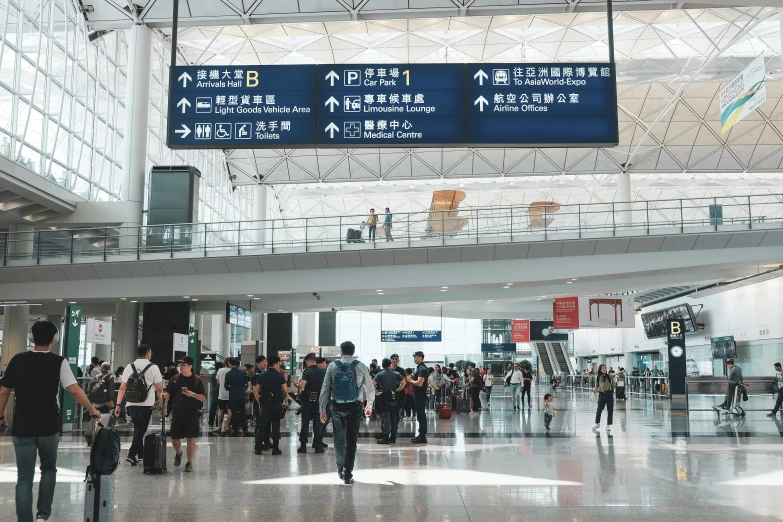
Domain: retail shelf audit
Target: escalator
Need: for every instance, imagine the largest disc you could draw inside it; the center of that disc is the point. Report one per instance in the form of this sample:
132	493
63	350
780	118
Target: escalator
543	357
561	358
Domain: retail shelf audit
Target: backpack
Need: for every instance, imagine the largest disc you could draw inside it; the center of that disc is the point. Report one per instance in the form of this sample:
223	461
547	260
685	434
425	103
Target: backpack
479	382
105	452
345	389
99	393
136	388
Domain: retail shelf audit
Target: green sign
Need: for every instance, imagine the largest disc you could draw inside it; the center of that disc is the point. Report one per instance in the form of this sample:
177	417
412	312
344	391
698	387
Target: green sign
193	349
70	335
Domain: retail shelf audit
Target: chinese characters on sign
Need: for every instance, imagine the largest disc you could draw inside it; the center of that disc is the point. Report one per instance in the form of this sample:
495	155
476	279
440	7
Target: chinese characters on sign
520	331
566	312
384	105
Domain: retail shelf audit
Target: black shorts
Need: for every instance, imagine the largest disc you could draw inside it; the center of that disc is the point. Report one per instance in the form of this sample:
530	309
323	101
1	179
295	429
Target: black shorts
223	405
184	426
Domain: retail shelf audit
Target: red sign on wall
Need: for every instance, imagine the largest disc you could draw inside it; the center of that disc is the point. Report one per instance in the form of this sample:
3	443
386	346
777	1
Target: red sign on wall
520	331
565	311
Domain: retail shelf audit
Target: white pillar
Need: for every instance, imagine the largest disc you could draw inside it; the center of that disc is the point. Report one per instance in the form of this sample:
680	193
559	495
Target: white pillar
137	104
306	327
623	199
126	333
57	320
221	335
16	319
260	213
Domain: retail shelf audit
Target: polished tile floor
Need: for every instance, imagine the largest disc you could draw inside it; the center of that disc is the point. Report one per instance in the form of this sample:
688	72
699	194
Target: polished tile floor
500	465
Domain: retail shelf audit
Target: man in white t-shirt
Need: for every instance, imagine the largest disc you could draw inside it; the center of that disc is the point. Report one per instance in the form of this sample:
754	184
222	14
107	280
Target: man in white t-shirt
141	412
514	379
223	394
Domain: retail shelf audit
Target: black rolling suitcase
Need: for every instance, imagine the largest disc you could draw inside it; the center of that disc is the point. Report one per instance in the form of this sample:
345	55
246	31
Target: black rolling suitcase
353	236
104	459
463	403
155	450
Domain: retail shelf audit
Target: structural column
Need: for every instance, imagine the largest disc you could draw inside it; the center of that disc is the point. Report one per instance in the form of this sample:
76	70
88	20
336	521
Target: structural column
622	200
126	333
137	91
57	320
260	214
220	335
16	319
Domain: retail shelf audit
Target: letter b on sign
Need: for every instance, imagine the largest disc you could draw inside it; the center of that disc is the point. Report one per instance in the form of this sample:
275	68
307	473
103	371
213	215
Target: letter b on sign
252	79
676	328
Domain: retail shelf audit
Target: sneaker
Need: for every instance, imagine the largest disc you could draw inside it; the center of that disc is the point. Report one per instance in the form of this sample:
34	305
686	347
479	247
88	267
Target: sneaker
383	441
547	427
419	440
771	414
133	461
393	441
609	428
178	459
276	451
323	445
348	480
320	449
189	467
595	428
40	517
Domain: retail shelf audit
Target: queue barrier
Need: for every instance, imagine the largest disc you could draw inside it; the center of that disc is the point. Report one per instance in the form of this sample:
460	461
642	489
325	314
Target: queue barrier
652	386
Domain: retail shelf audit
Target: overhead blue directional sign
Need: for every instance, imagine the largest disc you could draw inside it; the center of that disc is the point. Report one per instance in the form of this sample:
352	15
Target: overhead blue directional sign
391	105
387	105
544	104
230	107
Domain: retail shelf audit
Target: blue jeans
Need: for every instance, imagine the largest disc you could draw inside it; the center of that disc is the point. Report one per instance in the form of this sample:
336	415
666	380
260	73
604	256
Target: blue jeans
516	392
140	415
27	449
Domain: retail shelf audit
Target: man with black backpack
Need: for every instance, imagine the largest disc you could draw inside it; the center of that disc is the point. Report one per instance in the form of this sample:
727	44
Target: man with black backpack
35	376
347	384
101	392
138	379
189	394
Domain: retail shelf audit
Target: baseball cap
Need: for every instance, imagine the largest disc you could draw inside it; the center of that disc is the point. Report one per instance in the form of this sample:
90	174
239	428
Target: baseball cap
418	354
187	360
394	355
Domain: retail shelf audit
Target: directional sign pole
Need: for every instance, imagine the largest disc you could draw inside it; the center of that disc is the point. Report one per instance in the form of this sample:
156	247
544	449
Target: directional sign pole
173	64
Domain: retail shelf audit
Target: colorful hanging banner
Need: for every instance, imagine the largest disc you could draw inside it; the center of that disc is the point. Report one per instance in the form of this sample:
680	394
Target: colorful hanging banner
743	94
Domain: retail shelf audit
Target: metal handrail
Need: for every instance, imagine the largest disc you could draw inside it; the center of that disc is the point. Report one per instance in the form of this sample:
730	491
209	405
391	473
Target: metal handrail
477	224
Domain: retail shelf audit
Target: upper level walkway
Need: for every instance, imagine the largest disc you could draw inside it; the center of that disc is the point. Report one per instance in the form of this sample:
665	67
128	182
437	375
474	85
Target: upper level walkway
710	222
642	244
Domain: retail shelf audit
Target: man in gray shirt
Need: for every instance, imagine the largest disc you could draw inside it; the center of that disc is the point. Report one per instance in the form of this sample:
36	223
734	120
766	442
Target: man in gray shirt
347	384
734	377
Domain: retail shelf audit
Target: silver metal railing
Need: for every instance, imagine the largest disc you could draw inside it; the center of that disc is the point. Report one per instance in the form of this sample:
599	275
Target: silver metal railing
427	228
650	386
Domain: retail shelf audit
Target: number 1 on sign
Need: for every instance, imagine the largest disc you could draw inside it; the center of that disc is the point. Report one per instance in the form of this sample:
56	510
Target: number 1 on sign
407	75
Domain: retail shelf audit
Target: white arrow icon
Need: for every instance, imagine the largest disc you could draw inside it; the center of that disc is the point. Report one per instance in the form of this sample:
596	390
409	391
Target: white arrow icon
75	323
481	75
331	103
332	76
331	129
184	132
185	78
481	101
183	103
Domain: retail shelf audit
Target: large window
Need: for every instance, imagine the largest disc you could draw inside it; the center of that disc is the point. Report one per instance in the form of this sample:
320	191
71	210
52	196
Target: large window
62	108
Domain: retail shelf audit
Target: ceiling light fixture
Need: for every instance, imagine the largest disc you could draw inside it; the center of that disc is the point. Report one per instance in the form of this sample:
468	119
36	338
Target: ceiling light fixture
58	300
185	297
489	300
510	284
444	287
73	302
569	282
443	290
573	279
505	288
121	299
134	301
256	298
195	299
250	295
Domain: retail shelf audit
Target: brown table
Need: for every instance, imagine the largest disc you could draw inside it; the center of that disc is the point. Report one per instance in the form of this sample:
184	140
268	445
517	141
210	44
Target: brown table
614	303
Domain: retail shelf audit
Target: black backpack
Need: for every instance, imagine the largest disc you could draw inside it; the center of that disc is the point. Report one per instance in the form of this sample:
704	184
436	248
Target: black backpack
105	452
136	388
99	393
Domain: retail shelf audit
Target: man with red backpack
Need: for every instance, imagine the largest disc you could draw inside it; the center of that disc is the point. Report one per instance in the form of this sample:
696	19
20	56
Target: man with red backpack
347	384
187	390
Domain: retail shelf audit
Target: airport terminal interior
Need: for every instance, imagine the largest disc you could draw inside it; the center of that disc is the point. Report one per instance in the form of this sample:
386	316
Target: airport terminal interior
589	189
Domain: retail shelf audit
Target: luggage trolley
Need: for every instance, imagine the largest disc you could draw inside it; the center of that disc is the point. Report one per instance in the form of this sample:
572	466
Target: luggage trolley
740	394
